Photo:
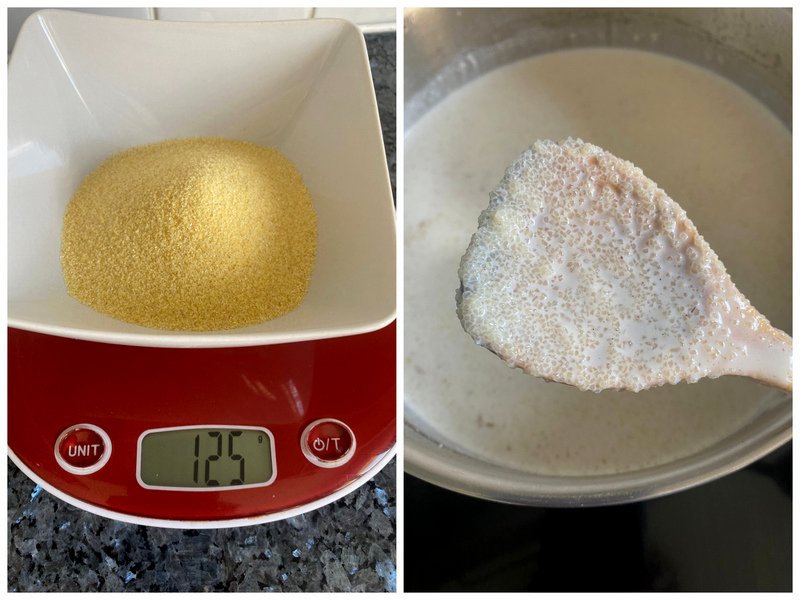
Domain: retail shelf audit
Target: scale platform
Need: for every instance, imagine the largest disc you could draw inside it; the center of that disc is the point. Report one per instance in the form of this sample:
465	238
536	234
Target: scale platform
201	438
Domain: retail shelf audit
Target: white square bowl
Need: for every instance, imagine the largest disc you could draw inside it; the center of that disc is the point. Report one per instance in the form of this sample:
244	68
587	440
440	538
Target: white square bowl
82	87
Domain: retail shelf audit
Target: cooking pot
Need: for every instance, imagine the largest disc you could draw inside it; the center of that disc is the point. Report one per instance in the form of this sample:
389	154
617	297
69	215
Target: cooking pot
446	48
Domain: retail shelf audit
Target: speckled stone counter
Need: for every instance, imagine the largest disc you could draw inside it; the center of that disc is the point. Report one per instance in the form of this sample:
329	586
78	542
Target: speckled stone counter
382	59
346	546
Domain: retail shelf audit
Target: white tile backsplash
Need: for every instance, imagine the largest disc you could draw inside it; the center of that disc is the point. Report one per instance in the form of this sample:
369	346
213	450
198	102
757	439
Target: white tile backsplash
361	16
232	14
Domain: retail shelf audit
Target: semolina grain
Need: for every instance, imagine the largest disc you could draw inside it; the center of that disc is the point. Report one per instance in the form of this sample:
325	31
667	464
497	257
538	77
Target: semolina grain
195	234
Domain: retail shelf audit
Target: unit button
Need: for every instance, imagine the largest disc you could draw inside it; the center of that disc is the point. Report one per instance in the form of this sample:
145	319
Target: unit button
328	443
83	449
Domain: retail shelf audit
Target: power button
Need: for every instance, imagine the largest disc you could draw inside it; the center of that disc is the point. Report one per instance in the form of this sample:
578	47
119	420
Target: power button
328	443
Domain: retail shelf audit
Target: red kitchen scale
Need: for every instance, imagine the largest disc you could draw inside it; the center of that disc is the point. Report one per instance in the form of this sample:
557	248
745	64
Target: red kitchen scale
201	437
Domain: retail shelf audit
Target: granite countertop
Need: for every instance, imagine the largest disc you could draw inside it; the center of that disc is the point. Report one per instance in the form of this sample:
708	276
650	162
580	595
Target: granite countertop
348	545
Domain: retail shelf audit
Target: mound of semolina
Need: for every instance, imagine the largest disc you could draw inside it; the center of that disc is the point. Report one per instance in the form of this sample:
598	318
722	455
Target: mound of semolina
195	234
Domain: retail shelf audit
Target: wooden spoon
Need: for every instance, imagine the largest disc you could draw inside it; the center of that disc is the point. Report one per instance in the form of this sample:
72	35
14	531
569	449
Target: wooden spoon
583	271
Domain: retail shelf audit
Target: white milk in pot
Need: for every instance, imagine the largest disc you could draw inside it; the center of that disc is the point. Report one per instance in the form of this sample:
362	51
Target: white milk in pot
711	146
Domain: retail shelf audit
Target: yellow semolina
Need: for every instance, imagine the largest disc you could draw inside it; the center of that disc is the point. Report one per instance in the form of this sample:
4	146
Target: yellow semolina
195	234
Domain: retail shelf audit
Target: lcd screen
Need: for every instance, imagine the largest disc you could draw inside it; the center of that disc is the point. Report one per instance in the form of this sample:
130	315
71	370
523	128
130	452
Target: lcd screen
206	457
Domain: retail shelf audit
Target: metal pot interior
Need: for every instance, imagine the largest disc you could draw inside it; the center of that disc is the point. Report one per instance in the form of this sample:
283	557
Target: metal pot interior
446	48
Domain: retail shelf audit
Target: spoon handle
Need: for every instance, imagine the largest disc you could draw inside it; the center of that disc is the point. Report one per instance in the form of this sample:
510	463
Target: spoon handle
768	358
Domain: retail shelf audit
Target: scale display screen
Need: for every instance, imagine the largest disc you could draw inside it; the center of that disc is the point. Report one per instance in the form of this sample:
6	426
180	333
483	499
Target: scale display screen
206	458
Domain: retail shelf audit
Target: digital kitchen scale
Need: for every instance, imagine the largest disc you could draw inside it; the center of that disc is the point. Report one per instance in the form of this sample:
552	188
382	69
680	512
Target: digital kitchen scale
201	438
